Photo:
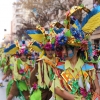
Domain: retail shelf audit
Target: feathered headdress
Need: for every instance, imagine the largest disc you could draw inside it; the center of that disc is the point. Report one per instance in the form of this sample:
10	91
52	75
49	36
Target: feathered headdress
45	38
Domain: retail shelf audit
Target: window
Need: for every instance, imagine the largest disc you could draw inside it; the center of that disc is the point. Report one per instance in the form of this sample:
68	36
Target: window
96	42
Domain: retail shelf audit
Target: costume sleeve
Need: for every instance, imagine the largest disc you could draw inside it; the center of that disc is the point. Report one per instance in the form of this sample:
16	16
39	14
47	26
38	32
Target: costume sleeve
56	84
78	97
4	61
17	76
46	77
11	61
33	77
92	74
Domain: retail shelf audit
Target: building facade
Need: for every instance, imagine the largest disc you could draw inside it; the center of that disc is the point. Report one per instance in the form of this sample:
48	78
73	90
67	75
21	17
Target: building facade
17	15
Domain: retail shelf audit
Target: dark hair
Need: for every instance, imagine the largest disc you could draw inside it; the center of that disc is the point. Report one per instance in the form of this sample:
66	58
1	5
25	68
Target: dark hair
69	46
23	54
66	46
81	54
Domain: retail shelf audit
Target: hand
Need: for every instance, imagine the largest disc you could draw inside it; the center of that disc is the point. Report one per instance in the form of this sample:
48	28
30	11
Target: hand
97	91
23	78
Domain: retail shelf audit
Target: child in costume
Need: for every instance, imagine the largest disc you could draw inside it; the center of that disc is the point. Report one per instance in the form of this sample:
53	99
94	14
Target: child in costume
3	65
21	74
42	75
3	61
78	80
7	71
12	60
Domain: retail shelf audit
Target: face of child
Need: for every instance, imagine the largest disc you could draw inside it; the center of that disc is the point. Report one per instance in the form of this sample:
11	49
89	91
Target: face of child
72	51
49	53
23	57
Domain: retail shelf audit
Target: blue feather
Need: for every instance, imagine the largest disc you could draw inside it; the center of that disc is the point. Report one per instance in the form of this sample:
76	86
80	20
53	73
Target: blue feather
33	32
8	49
57	31
37	44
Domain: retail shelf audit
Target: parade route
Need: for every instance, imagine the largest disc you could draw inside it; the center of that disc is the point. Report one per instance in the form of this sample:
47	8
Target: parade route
2	89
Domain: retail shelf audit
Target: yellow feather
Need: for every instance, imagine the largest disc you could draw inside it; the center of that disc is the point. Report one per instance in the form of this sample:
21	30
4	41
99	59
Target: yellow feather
92	24
42	53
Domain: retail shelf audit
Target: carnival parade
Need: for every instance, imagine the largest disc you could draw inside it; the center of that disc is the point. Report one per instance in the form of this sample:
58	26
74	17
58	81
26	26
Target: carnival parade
58	63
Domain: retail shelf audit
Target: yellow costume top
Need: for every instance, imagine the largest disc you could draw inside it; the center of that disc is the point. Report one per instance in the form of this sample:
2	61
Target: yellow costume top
12	60
18	76
44	72
68	75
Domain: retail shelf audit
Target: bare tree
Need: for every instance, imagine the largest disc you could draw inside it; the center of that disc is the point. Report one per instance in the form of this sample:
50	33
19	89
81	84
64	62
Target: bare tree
44	12
21	32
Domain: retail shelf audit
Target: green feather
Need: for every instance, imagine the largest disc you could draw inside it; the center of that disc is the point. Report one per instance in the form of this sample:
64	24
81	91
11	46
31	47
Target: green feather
65	22
9	87
5	69
36	95
22	86
68	33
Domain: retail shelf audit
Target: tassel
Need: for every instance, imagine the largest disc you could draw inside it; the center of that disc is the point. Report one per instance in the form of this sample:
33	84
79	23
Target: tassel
42	53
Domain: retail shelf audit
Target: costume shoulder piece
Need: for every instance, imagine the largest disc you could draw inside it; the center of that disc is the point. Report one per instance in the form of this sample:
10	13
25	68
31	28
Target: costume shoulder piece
61	65
87	67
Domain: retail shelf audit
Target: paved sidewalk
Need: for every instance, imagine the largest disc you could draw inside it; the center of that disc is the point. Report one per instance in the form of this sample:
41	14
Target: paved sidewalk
3	89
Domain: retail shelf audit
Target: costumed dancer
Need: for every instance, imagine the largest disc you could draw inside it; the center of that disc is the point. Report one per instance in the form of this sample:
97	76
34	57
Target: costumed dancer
79	78
76	76
21	74
3	64
42	75
7	71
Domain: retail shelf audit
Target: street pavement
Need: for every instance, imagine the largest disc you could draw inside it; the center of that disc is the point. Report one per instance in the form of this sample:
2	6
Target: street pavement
3	89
